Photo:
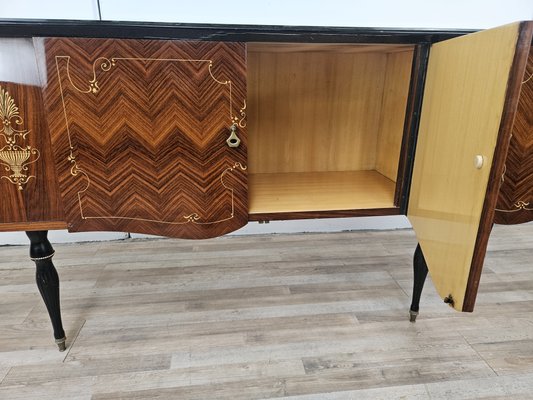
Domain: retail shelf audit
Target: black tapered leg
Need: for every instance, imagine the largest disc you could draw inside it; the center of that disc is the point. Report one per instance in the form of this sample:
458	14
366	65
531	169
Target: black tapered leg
41	252
420	269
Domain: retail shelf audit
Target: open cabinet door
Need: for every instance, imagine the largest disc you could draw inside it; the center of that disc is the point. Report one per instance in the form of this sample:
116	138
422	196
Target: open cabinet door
470	98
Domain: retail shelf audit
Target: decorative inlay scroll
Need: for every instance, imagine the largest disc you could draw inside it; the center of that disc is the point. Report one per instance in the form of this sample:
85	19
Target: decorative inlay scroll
15	156
241	122
192	218
519	205
106	64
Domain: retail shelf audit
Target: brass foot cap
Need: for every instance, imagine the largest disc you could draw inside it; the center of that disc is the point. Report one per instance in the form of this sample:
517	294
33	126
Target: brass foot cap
61	343
412	316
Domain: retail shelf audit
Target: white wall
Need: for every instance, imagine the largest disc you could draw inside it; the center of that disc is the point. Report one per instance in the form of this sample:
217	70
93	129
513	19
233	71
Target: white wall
49	9
378	13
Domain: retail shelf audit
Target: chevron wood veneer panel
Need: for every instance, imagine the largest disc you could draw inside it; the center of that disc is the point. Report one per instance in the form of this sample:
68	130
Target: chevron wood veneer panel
515	201
139	131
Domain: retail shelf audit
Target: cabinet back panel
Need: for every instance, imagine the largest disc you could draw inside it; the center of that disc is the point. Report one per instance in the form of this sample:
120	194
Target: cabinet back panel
315	108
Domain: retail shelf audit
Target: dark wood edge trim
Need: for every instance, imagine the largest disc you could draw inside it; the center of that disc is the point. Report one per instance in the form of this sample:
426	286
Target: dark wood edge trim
220	32
412	122
32	226
263	217
514	84
512	217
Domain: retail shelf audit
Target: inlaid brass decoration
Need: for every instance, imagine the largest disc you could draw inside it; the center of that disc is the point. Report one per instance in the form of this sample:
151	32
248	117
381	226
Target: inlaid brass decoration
519	205
105	64
9	112
528	79
242	121
14	157
191	218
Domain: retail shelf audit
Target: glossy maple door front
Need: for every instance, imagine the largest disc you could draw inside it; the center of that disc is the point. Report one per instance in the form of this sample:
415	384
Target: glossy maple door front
139	131
469	104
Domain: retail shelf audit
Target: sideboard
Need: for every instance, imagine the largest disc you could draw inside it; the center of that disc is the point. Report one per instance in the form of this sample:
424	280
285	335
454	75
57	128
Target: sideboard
190	131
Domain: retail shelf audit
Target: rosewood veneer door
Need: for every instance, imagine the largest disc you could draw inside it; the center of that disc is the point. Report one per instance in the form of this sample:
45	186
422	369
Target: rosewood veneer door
515	201
139	130
470	99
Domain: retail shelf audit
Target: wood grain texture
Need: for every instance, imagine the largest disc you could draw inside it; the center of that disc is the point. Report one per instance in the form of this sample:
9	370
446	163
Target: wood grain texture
139	134
319	191
38	200
515	200
33	226
393	112
314	111
464	114
297	317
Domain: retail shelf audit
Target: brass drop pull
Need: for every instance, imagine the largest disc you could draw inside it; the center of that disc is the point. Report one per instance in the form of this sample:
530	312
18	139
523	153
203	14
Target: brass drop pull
233	140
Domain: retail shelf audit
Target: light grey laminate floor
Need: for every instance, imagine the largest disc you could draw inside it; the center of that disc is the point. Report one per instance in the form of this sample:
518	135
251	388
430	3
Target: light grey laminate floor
299	317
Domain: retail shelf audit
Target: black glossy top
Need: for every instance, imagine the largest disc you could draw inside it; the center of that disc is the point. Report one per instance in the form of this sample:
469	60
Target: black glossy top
216	32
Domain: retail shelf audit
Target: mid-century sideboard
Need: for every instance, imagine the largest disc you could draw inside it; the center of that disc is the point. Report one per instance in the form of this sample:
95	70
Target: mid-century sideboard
191	131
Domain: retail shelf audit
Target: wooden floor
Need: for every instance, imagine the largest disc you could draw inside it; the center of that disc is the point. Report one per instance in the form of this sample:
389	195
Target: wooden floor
299	317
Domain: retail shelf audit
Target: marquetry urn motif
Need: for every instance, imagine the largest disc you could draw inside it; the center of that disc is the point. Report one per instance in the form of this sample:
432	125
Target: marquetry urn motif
16	155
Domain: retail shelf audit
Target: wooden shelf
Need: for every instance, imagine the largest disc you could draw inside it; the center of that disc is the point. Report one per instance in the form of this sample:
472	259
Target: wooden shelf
319	191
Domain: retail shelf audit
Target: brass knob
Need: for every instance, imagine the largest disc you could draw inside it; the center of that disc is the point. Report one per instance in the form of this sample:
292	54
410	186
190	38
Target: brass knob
479	160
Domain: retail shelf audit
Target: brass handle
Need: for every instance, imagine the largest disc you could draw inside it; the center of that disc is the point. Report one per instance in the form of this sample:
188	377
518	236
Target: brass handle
233	140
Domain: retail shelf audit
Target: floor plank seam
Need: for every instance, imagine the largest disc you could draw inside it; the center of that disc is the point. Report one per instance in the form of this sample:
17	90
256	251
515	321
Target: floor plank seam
400	286
5	375
73	341
478	354
37	304
427	391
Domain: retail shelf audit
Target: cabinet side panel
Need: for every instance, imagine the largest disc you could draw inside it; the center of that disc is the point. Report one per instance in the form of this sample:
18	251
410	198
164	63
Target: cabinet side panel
392	118
28	188
462	117
515	200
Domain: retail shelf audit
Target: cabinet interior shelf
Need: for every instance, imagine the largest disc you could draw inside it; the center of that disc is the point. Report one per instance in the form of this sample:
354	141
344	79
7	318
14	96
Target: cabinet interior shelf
325	125
319	191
